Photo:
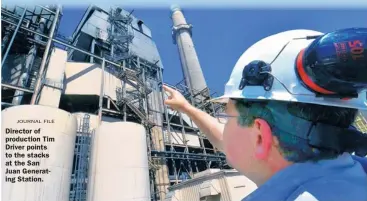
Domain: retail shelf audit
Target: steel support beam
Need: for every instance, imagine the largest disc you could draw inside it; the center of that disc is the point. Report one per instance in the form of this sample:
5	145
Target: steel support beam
101	95
16	87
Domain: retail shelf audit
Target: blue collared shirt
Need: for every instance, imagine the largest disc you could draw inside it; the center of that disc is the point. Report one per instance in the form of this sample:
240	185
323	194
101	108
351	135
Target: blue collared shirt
340	179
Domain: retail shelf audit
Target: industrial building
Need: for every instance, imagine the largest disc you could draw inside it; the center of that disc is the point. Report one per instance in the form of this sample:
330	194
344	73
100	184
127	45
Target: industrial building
104	84
113	41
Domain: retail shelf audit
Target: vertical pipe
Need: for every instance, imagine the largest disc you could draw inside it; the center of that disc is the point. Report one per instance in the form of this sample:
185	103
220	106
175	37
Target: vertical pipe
202	142
185	142
37	87
109	103
5	40
145	90
100	107
112	45
166	115
168	129
124	92
214	115
13	37
91	60
183	131
175	170
190	168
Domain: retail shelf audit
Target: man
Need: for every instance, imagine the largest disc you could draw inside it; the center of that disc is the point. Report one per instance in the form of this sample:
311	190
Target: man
289	103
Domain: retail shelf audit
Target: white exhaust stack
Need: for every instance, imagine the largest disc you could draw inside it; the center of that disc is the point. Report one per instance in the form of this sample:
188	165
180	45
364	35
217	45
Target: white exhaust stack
181	34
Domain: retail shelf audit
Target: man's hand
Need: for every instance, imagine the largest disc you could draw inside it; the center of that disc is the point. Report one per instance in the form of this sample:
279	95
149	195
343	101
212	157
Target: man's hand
176	100
206	123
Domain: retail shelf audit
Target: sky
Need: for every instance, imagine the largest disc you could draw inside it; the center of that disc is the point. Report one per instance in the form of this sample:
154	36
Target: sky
221	35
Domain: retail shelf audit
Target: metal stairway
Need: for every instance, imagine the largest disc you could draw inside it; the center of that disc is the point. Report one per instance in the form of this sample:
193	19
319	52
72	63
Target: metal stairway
132	101
33	73
120	35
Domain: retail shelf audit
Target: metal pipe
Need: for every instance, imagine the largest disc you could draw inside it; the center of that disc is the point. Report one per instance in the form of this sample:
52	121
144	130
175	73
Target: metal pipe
25	28
124	94
16	87
13	37
5	40
37	88
165	111
185	141
101	94
92	50
7	104
10	14
146	107
188	127
46	9
162	153
175	170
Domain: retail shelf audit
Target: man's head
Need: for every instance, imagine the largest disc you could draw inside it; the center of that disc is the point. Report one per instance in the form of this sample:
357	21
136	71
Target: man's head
294	78
260	137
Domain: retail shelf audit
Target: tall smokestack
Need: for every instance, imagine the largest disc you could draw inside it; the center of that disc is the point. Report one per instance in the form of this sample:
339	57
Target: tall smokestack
181	34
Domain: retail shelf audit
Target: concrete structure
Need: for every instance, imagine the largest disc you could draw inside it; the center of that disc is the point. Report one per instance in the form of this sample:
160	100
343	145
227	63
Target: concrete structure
56	160
193	75
212	185
119	164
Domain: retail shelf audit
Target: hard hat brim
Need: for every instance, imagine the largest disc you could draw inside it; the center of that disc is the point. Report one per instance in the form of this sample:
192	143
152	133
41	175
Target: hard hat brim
221	99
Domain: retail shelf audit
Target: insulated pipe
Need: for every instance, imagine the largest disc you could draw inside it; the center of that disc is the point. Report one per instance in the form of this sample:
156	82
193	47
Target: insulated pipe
92	47
181	34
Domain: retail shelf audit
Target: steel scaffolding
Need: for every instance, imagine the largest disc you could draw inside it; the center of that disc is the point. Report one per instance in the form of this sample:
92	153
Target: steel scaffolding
27	50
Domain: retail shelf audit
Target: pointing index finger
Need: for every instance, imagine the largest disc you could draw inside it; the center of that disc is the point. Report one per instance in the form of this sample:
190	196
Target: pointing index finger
167	88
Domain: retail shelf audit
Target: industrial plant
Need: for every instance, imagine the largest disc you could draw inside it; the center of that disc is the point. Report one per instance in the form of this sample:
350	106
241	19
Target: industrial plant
114	137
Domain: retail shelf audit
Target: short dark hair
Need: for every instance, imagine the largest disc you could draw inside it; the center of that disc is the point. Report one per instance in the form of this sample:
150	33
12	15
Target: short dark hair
293	149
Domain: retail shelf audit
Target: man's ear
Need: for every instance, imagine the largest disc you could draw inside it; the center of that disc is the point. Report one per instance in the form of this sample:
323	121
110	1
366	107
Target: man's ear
264	139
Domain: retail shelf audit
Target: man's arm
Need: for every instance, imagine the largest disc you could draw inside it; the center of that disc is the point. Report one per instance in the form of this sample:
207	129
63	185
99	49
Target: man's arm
209	125
206	123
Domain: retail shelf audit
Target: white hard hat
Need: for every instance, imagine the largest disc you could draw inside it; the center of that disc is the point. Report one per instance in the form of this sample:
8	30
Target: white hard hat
281	52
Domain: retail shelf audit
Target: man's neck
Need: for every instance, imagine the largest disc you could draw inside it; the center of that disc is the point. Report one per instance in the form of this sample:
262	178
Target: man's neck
272	167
